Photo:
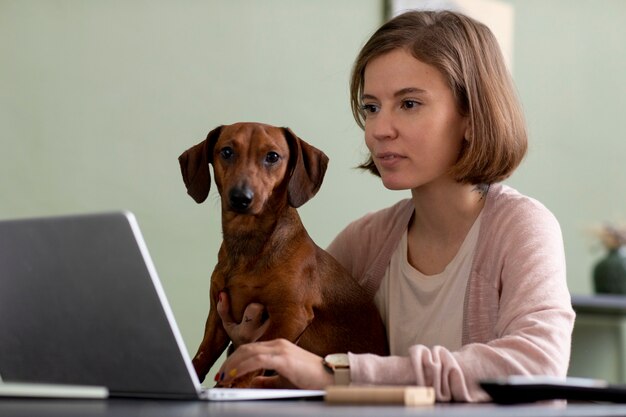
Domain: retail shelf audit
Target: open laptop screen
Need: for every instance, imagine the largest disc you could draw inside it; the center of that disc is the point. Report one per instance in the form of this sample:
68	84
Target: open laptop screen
80	303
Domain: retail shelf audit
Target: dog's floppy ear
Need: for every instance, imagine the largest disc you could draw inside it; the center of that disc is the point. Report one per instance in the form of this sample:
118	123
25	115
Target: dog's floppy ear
194	165
308	166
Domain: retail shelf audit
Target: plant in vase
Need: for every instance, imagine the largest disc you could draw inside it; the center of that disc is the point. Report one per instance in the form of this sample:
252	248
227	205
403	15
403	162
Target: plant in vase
609	274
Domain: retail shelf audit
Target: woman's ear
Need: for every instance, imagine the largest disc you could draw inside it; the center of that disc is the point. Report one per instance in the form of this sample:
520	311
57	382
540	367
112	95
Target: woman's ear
468	135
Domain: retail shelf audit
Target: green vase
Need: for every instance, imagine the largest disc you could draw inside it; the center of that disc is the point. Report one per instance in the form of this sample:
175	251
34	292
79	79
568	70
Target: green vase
609	274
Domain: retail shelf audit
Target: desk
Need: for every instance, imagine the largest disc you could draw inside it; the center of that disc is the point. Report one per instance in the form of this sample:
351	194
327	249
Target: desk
153	408
599	337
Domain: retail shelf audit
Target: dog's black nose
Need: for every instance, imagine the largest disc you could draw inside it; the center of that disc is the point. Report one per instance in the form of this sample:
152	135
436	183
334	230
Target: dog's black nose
240	199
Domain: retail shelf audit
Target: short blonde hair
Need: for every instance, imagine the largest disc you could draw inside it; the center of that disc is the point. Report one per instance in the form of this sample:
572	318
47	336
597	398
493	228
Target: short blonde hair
467	54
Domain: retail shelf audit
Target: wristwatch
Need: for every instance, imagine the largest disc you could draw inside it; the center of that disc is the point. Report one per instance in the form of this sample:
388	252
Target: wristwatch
338	365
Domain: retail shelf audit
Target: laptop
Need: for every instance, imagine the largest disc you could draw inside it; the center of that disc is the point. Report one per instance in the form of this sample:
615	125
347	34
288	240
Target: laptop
81	305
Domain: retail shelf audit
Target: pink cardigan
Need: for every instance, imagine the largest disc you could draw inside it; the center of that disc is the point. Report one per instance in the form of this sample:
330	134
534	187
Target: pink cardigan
517	313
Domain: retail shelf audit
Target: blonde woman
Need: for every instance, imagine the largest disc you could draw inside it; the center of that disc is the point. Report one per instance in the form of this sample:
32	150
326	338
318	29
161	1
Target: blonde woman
468	274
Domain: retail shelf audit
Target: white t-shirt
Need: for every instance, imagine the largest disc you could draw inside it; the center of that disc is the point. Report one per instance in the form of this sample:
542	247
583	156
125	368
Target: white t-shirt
420	309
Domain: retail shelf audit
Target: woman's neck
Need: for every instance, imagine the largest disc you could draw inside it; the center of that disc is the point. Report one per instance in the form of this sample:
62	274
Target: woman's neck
443	209
443	217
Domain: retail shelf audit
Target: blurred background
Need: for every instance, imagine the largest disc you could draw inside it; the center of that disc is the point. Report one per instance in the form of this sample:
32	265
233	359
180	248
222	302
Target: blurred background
98	99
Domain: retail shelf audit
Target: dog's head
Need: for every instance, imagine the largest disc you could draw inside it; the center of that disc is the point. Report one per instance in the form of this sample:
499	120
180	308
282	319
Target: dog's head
253	162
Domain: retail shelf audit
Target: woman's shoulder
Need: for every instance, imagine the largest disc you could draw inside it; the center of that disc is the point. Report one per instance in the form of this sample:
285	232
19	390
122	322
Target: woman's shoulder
374	229
511	219
506	204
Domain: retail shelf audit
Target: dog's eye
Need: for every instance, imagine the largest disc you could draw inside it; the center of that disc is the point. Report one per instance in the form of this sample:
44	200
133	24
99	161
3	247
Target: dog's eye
272	157
227	152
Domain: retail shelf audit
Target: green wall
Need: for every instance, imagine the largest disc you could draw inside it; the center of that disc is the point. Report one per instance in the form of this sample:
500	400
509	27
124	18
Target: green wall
570	70
98	99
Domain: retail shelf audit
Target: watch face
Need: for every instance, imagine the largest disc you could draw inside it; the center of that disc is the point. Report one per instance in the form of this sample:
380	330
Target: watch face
337	360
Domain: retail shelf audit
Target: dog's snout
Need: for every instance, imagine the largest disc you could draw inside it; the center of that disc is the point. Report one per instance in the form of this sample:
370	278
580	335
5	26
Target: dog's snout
240	199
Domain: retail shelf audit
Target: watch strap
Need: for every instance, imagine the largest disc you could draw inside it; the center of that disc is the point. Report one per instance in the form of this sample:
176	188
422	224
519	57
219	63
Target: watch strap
338	365
342	376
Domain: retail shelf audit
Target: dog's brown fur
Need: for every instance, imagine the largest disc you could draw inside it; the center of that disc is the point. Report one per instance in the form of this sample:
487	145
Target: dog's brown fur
263	173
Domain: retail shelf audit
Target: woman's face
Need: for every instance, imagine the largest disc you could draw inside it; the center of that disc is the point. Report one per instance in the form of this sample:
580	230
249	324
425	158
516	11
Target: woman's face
412	126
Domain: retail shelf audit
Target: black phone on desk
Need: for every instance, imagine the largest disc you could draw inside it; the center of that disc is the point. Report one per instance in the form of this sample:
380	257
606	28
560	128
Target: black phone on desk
526	389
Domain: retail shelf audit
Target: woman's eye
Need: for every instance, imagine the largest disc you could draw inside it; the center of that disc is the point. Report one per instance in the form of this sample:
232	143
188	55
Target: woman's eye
227	152
410	104
272	157
369	108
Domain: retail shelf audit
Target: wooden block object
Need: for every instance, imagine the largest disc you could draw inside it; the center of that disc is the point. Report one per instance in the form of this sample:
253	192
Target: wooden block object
403	395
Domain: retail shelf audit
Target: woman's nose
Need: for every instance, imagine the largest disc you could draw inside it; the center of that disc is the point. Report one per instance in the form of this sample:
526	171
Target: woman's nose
383	126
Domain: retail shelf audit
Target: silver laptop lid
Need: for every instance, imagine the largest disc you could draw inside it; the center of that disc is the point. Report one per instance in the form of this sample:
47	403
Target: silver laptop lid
81	303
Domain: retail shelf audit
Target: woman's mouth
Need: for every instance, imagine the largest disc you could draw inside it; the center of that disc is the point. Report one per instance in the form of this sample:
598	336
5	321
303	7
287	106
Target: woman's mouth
388	159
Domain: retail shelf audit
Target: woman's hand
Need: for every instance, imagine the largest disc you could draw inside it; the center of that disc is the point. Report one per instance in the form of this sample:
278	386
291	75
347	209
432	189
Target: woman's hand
295	366
251	327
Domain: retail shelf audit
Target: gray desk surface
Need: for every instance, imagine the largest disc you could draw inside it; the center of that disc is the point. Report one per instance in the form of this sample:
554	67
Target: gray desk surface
127	408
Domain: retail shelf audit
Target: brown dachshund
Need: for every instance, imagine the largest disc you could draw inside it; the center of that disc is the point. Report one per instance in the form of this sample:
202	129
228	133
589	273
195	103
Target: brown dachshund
263	173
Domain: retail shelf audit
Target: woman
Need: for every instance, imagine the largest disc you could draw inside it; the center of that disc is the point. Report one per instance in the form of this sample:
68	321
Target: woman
468	274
